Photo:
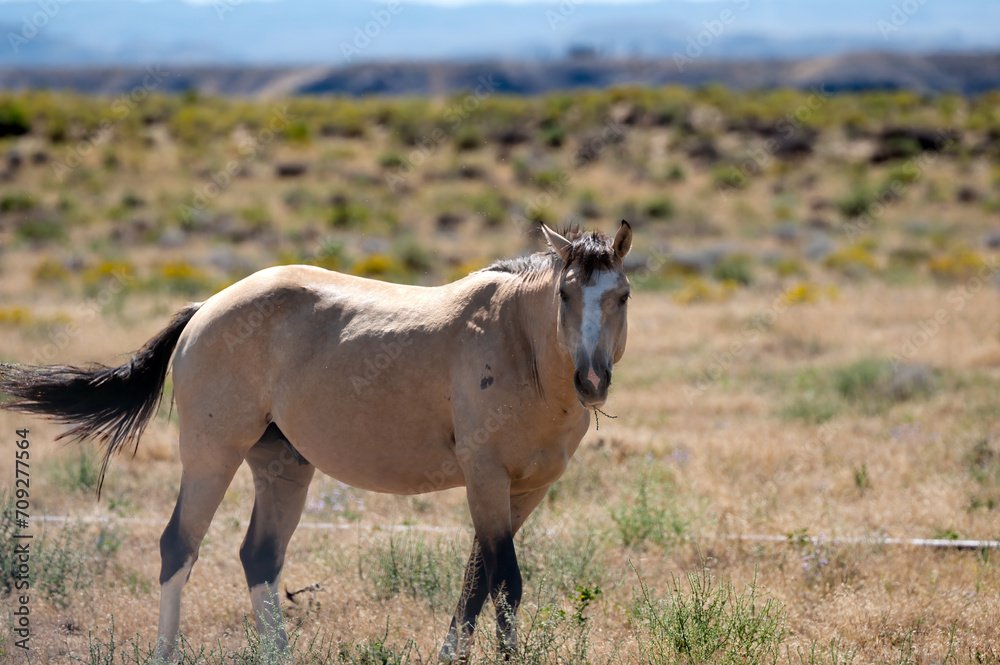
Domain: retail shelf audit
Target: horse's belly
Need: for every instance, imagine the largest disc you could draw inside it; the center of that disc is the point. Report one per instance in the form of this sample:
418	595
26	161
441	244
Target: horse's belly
391	453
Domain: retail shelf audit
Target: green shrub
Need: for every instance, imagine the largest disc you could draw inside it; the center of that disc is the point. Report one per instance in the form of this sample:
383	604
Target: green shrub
391	160
857	202
347	214
729	177
700	620
63	560
41	230
14	120
490	206
863	380
79	471
426	570
17	202
661	207
734	268
642	519
298	131
553	135
561	562
468	138
181	278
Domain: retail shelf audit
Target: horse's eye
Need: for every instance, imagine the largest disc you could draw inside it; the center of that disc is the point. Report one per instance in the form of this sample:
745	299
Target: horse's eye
624	300
563	295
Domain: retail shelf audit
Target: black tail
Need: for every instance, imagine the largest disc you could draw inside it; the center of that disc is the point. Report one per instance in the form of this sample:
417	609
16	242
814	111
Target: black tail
112	403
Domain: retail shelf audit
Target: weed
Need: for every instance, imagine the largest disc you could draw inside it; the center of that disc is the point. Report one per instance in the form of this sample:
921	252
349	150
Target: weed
812	399
959	264
862	480
661	207
181	278
62	563
391	160
425	570
736	268
50	271
15	315
857	202
982	464
14	119
17	202
853	261
696	289
945	534
703	621
561	562
863	380
547	634
469	138
642	519
346	214
41	230
77	472
729	177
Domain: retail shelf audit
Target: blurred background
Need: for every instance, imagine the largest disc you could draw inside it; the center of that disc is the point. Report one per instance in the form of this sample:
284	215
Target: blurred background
814	349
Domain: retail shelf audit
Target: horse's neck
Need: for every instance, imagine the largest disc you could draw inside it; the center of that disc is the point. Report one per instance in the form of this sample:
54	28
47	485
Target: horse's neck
535	322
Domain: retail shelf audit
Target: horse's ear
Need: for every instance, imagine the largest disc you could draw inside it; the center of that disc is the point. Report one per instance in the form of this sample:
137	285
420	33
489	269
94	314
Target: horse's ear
623	239
559	245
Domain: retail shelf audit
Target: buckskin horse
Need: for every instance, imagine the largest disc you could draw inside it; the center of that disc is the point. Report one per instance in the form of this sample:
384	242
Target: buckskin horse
485	383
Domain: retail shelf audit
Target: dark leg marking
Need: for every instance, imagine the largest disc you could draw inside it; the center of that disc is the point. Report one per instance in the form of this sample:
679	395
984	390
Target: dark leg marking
174	552
475	590
281	481
504	583
259	553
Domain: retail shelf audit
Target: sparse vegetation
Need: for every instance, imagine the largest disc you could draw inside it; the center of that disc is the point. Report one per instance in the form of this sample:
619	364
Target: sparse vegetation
812	345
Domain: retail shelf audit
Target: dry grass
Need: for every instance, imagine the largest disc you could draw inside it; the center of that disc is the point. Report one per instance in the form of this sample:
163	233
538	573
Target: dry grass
725	462
739	411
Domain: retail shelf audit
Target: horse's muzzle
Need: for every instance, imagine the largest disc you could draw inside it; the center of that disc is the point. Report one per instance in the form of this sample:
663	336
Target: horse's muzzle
592	388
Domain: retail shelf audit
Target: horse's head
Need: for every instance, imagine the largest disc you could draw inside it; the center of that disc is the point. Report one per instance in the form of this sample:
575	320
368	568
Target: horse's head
592	295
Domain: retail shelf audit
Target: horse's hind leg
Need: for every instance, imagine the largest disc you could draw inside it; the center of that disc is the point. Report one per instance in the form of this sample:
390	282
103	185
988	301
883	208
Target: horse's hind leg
281	481
208	468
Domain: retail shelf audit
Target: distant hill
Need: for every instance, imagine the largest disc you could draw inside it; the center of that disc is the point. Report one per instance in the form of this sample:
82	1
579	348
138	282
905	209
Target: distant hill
967	74
64	33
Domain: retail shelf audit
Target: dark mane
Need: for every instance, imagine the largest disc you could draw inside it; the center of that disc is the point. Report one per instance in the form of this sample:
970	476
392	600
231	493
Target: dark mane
591	250
524	265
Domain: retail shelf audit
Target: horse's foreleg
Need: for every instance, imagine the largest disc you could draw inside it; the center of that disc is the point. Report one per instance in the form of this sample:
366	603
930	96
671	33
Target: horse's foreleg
281	484
477	587
492	567
474	593
202	488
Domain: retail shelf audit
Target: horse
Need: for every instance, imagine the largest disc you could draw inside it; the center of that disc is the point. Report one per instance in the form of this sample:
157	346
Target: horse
486	382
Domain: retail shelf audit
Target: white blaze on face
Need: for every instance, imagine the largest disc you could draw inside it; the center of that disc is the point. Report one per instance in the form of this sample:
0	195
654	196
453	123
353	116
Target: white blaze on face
593	316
